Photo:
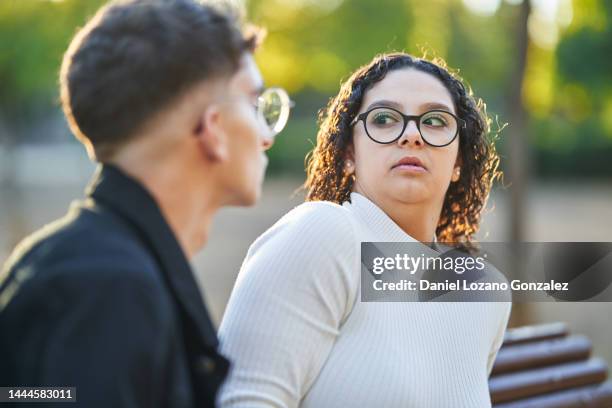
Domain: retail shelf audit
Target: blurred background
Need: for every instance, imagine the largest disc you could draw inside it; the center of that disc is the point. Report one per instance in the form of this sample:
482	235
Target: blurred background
544	68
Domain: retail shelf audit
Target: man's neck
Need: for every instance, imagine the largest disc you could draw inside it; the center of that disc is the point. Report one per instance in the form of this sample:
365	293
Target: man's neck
186	207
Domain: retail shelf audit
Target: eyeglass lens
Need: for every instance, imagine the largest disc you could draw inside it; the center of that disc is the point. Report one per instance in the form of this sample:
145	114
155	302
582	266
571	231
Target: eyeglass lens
274	106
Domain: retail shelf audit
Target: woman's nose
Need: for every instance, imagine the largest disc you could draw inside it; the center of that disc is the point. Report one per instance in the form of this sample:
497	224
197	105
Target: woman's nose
411	135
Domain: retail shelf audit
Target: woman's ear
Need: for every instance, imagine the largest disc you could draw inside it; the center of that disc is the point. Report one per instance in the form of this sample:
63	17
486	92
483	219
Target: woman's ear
212	138
349	160
349	154
457	168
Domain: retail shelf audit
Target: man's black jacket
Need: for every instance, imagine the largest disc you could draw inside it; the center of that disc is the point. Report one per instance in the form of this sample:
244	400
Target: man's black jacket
104	300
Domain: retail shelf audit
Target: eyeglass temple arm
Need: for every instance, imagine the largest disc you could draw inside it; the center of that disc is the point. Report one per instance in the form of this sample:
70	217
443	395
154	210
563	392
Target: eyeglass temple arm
355	120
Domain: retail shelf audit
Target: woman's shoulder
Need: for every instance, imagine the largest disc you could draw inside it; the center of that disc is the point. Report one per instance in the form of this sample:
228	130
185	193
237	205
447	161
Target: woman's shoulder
317	209
321	223
318	217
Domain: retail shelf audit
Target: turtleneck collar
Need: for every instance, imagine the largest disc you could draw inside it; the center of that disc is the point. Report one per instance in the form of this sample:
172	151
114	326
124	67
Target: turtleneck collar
377	219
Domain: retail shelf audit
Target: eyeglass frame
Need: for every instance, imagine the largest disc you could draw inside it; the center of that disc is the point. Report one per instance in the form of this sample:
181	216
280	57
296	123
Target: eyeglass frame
285	99
461	124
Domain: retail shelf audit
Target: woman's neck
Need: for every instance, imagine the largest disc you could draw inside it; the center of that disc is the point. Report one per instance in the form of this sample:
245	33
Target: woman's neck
419	220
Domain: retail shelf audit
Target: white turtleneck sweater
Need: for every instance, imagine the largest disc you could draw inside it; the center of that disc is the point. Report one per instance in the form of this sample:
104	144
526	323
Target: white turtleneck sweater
298	334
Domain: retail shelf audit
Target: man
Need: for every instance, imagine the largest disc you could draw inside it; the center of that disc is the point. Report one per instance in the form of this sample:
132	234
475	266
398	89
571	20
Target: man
166	96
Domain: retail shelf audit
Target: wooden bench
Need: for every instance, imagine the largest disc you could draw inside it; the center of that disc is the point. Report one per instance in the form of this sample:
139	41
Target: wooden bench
543	366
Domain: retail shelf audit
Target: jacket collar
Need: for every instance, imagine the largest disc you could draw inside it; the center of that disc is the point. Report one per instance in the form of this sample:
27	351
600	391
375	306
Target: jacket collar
134	204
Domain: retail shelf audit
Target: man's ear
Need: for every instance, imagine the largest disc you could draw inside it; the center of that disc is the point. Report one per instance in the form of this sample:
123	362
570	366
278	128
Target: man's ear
211	136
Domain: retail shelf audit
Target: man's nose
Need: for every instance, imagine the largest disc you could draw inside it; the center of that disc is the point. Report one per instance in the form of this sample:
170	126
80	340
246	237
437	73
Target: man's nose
267	142
411	135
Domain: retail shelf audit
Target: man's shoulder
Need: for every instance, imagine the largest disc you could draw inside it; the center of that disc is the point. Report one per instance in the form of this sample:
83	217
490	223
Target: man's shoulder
84	231
78	287
83	251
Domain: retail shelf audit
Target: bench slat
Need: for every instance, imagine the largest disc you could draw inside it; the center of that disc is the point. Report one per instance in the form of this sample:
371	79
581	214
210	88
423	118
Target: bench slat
595	396
538	332
522	384
524	356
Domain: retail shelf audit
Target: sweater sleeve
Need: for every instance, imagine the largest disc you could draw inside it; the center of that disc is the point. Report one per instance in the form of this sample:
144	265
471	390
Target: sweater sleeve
499	338
295	288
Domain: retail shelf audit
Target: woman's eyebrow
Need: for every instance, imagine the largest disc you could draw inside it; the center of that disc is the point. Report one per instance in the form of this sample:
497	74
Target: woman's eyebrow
424	107
435	105
385	104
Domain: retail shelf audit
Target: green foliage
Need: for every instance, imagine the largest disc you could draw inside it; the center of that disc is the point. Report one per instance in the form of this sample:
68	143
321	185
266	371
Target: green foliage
33	37
314	44
585	57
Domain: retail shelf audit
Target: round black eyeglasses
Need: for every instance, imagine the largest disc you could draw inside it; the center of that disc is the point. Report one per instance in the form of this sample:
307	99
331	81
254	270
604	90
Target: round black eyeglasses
386	125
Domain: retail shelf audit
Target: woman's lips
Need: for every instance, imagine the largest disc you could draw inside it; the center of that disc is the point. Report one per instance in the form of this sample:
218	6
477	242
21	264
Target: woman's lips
410	168
410	164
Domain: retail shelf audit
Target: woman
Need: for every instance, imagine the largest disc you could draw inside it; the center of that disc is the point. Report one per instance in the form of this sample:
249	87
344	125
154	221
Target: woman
402	155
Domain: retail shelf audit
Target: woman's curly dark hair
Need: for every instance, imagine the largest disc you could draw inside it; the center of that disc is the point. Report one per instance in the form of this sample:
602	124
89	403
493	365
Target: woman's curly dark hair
465	198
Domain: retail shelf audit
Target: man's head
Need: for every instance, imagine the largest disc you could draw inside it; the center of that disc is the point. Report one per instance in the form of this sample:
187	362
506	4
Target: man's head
169	83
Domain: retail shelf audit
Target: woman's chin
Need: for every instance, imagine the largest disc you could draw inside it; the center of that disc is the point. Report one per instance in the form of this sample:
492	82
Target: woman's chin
409	192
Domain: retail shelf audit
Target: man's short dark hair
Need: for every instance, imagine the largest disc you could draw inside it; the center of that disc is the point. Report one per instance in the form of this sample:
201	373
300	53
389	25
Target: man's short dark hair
137	56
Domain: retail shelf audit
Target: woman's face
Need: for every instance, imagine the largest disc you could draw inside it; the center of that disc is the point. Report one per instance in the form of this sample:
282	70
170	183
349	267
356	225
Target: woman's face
377	173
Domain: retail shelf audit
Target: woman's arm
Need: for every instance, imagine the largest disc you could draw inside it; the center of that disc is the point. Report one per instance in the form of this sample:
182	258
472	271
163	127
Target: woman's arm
295	288
499	337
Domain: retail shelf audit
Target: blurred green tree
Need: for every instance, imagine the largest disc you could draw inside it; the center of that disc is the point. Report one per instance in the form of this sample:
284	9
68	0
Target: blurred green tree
313	44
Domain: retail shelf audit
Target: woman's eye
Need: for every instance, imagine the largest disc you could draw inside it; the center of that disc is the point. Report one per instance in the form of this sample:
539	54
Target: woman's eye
384	119
434	121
